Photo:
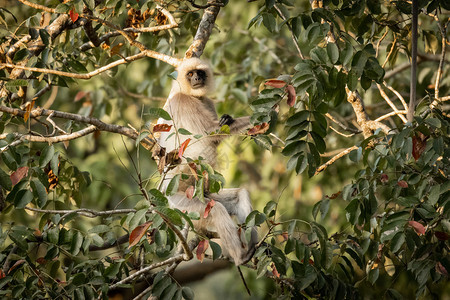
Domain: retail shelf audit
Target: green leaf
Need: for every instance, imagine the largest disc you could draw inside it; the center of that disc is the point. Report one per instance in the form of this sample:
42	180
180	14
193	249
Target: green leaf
45	37
39	192
159	113
293	148
77	241
184	131
100	229
46	155
355	155
5	180
172	188
269	22
297	118
217	251
20	55
333	52
397	241
188	294
23	197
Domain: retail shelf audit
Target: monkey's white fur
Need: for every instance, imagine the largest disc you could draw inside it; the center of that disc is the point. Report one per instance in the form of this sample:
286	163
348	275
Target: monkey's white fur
192	110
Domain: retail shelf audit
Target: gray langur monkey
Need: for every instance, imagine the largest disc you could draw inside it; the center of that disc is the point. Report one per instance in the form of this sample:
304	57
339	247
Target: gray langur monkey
190	109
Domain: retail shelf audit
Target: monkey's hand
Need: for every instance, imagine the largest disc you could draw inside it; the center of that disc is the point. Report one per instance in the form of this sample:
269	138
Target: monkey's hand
226	120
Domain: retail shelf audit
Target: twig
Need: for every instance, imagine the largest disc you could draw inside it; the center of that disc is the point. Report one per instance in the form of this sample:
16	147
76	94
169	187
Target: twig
391	104
412	95
392	113
441	66
335	158
380	40
209	4
294	38
390	53
340	133
402	100
352	130
38	6
145	270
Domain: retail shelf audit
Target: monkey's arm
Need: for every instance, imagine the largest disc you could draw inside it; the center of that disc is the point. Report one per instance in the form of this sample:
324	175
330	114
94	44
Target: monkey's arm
238	125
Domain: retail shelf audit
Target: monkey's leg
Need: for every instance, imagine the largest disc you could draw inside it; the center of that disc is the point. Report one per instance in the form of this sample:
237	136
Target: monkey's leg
237	202
219	219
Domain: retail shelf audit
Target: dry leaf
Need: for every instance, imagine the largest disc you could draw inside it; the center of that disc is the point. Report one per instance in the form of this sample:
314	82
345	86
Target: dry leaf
162	128
201	249
138	233
18	174
258	129
183	148
208	208
275	83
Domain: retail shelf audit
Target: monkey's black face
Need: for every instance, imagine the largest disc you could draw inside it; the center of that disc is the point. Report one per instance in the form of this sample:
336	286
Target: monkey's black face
197	78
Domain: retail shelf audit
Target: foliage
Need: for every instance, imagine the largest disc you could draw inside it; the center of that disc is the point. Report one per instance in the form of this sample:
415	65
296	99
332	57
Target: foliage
385	224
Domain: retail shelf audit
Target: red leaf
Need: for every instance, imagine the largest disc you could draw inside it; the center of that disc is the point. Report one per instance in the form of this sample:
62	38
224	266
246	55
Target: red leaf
80	95
193	169
418	228
402	184
439	268
183	147
41	261
258	129
201	249
73	15
275	83
334	196
419	144
2	275
443	236
29	107
384	178
208	208
190	192
291	95
17	263
162	128
18	174
275	271
138	233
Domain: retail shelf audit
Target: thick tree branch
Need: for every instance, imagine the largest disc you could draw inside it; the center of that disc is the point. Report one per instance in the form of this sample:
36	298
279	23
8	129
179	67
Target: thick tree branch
204	31
38	112
47	139
367	126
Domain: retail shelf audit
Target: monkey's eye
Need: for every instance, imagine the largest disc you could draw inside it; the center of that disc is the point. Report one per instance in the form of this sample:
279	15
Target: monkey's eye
190	74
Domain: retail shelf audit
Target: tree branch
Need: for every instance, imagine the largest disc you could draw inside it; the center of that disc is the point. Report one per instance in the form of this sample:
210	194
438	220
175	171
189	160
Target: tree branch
412	95
46	139
294	38
126	131
335	158
204	31
391	104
